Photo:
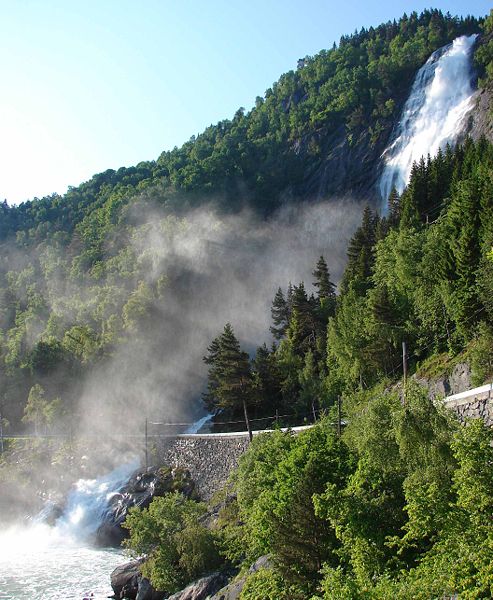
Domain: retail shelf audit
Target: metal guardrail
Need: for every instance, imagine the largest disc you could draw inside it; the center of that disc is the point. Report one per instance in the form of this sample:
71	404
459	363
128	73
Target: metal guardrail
483	392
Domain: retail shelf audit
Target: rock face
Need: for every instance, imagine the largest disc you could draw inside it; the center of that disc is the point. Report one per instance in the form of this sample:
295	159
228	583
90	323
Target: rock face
127	582
139	491
209	460
203	588
481	121
233	590
459	380
125	579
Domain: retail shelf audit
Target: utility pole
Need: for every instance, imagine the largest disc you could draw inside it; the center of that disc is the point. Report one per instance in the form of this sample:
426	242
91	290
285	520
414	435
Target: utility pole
1	433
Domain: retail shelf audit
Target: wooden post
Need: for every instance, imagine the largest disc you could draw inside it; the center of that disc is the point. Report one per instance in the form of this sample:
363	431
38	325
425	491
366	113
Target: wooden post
146	448
247	420
338	416
404	361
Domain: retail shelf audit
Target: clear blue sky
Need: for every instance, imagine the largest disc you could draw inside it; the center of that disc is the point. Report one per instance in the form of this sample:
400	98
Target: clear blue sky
91	85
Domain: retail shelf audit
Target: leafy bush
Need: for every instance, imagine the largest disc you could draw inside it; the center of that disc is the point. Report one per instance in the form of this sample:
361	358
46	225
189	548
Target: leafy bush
178	547
268	584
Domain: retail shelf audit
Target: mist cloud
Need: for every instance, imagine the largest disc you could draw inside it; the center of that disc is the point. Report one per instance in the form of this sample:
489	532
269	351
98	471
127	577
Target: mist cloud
218	269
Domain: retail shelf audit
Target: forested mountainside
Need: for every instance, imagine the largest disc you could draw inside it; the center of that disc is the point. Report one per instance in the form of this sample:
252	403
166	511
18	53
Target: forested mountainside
396	503
318	131
103	275
423	275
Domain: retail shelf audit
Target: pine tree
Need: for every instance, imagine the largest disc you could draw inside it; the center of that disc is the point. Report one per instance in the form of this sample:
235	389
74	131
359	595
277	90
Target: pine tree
280	315
360	255
302	325
230	383
394	208
266	380
325	287
466	250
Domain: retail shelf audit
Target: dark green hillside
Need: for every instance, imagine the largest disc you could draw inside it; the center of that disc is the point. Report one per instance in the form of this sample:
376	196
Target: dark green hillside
422	275
397	504
306	137
81	285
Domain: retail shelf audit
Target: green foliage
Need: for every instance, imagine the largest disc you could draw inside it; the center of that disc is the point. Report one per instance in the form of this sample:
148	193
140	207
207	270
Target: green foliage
40	411
481	355
178	546
269	584
276	481
230	382
80	289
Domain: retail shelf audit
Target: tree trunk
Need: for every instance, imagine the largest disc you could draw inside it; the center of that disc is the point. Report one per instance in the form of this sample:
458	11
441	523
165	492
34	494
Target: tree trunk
247	421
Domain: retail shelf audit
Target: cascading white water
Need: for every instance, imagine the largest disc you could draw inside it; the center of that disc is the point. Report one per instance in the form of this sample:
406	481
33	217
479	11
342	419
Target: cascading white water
87	504
434	114
197	426
40	562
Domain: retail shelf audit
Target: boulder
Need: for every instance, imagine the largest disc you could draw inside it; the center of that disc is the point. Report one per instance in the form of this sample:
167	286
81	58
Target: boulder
127	582
125	579
147	592
232	590
141	488
202	588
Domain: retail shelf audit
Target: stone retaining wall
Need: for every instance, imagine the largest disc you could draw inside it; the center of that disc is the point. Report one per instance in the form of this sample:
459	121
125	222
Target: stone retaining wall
473	404
477	409
210	460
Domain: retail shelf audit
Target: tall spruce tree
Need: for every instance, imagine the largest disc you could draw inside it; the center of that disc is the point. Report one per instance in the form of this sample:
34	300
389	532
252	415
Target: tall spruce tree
325	287
360	255
326	291
267	380
230	382
302	325
280	312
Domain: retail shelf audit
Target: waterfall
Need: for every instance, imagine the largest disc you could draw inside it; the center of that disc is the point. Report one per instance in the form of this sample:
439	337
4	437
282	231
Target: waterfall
39	561
89	502
197	426
434	114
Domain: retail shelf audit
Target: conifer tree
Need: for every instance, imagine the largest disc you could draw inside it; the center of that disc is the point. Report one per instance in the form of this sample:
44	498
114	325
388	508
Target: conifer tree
325	287
302	325
280	315
360	255
394	208
230	382
266	378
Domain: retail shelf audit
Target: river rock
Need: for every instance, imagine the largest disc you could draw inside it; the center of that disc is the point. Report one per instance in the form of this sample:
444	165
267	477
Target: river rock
125	579
202	588
232	590
141	488
147	592
127	583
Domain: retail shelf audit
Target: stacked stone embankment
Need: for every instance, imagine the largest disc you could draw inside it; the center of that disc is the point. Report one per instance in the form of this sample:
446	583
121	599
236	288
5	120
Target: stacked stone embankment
210	459
473	404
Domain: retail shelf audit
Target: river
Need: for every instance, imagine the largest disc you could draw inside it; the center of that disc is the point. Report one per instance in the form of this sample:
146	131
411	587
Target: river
39	562
36	563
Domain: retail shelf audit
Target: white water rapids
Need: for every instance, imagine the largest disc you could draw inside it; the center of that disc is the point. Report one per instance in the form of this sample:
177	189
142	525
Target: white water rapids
39	562
434	114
